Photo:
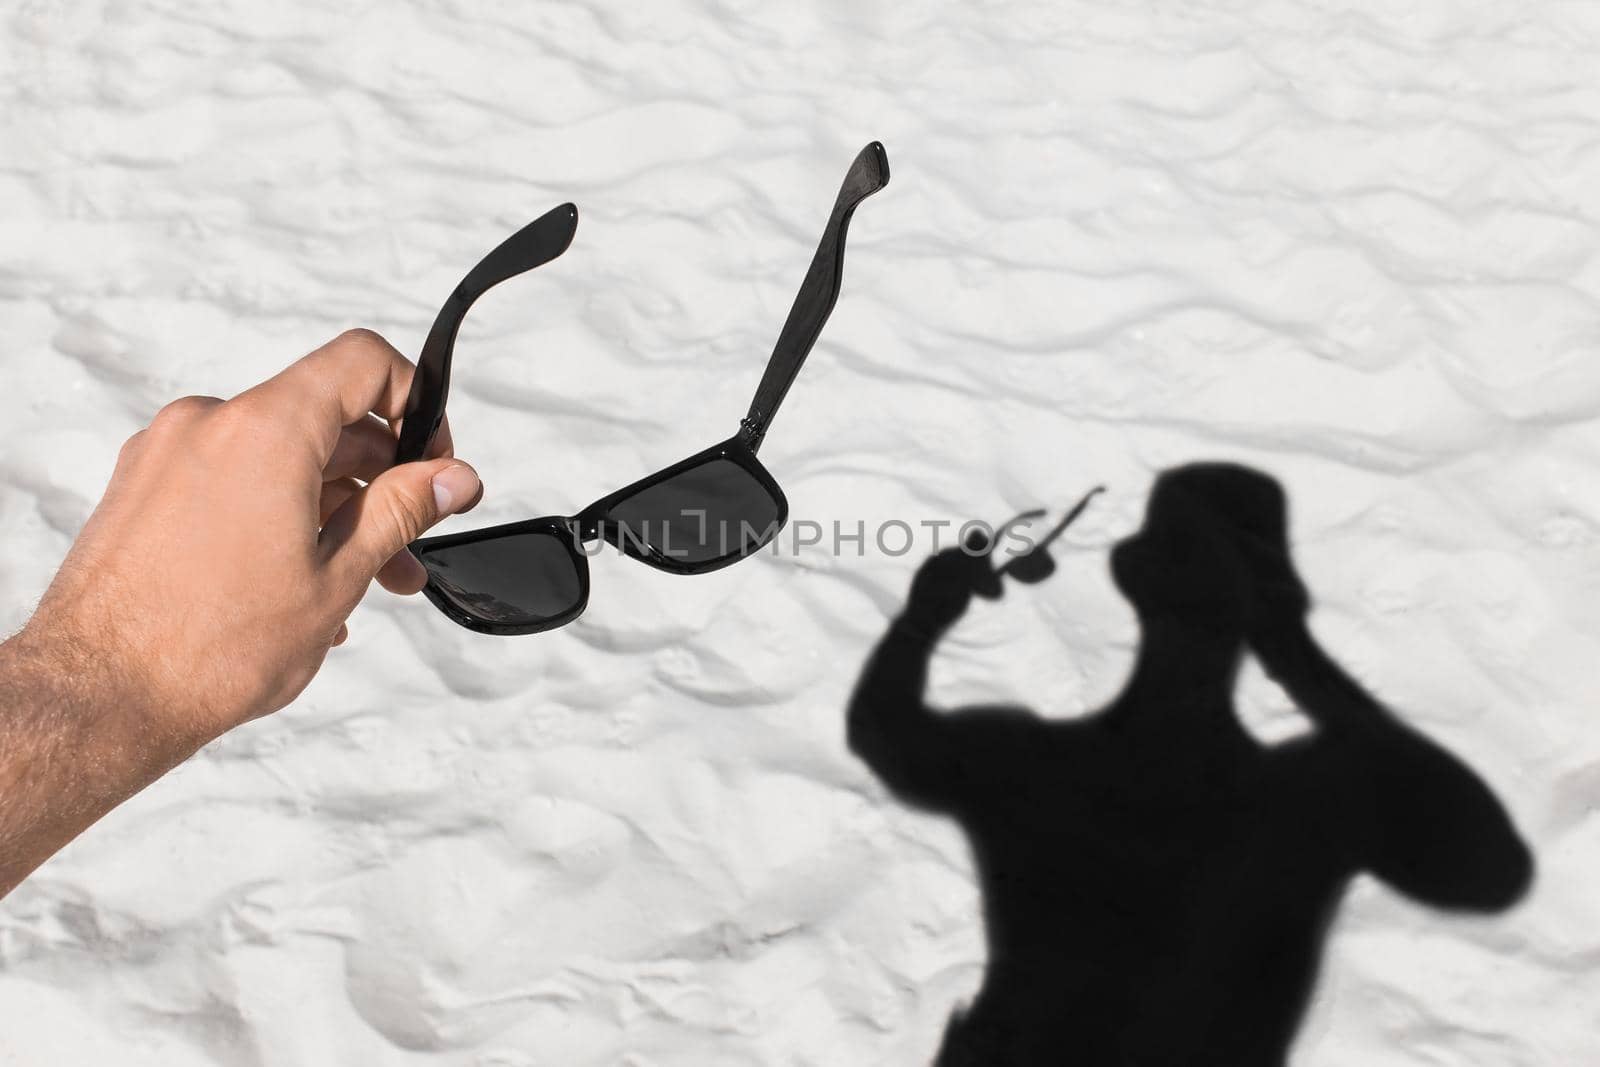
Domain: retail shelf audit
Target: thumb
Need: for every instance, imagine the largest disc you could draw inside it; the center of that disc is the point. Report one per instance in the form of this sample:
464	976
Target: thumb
396	508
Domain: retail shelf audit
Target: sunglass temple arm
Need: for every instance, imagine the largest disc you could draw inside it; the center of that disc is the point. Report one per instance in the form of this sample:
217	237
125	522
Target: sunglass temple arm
818	293
534	245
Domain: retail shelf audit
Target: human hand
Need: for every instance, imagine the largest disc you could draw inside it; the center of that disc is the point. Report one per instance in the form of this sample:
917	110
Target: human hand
1279	606
201	594
947	581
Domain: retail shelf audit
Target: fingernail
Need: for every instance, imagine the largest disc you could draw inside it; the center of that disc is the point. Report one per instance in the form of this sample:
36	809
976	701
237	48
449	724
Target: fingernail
454	486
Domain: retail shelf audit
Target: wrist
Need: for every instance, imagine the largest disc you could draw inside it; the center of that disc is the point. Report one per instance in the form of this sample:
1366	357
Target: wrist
1280	642
1280	623
917	627
936	611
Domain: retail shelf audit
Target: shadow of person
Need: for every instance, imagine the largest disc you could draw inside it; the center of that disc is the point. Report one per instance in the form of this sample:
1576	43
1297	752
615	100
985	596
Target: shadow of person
1157	884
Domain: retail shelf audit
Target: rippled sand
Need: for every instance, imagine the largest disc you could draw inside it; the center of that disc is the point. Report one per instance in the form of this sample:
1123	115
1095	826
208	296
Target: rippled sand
1353	245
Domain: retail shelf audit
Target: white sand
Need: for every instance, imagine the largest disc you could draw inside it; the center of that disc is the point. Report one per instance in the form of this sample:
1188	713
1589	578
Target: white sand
1351	244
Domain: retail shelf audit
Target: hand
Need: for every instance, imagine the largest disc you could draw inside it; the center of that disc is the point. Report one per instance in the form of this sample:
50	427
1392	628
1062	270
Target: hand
200	594
1280	637
946	583
1279	606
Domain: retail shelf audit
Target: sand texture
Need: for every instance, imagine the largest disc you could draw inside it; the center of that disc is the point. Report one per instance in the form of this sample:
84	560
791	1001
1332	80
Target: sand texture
1349	244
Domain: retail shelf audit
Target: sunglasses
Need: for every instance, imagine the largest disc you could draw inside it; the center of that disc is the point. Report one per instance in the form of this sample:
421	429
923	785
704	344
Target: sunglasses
700	514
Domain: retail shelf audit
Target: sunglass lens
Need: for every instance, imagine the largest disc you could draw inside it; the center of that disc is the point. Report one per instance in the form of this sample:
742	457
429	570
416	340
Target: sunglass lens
515	580
718	510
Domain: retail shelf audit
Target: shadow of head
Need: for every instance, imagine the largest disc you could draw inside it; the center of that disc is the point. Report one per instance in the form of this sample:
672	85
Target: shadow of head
1213	550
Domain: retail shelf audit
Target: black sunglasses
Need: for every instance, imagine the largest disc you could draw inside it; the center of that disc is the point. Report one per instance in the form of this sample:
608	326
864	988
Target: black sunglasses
705	512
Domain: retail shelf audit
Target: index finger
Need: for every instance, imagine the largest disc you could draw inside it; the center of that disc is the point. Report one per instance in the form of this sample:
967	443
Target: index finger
337	385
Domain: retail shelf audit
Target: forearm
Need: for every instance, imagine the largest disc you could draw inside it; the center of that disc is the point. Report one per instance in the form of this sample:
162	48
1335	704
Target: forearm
892	686
74	743
1321	688
1430	826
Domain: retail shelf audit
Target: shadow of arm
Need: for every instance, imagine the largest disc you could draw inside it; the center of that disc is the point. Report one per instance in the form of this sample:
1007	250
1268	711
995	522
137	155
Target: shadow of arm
1422	820
1437	832
909	746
